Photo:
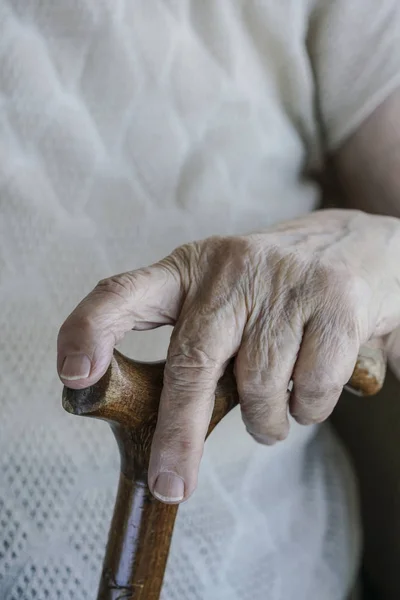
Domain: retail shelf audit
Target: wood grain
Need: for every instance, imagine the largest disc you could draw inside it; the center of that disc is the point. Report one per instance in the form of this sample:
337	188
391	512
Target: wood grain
127	397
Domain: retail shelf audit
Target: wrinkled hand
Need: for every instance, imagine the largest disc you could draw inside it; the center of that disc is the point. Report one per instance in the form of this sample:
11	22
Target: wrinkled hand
294	302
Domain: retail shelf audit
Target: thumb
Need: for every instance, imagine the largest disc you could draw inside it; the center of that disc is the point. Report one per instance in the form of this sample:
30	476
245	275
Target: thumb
393	351
142	299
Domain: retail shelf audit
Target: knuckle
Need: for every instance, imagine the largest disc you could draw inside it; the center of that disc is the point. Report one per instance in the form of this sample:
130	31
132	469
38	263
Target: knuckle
232	260
317	392
122	286
194	368
252	395
213	269
183	258
342	310
237	252
265	421
253	408
350	296
314	403
349	288
191	356
244	246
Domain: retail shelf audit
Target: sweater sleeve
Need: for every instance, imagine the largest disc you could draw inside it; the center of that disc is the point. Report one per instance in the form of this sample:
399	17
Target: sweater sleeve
354	48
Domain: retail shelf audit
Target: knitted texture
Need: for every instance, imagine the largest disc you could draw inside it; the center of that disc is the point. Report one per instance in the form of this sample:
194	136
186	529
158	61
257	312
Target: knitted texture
127	128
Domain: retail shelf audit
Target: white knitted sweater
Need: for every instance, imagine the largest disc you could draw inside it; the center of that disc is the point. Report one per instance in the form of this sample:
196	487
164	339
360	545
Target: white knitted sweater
128	127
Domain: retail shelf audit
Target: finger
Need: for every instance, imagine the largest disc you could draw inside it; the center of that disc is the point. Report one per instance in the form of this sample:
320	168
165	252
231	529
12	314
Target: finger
142	299
325	364
200	347
263	369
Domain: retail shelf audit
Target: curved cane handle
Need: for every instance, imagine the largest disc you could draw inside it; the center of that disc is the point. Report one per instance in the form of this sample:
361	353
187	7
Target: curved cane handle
129	393
127	396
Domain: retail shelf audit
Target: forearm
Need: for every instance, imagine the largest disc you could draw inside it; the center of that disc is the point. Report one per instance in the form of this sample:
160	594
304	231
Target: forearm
368	165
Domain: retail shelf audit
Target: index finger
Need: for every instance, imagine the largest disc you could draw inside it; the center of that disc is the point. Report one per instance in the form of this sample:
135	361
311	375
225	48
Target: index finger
143	299
201	346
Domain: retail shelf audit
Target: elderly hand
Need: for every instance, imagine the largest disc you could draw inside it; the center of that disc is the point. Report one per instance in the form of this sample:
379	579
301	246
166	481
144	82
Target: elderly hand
293	302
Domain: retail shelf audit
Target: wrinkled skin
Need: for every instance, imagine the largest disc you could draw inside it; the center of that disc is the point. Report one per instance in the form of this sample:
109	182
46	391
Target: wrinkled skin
293	302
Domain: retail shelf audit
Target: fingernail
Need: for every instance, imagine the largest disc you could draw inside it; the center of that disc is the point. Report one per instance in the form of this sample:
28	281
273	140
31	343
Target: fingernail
169	487
76	366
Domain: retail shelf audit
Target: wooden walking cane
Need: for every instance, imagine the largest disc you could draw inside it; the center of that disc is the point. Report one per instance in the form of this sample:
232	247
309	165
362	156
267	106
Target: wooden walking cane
127	397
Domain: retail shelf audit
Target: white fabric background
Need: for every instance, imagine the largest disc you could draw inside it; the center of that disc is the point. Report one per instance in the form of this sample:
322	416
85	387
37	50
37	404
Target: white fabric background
127	128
